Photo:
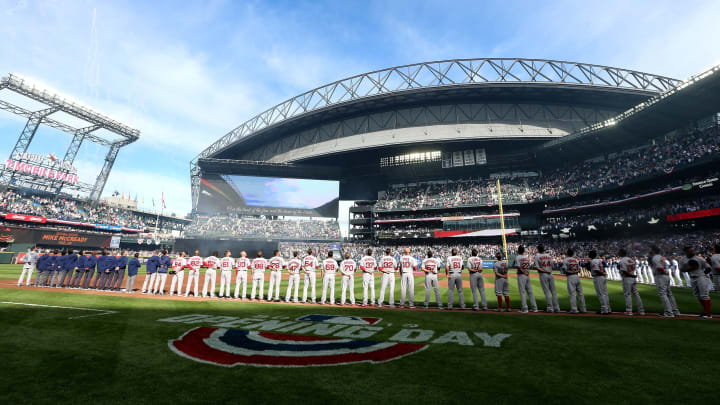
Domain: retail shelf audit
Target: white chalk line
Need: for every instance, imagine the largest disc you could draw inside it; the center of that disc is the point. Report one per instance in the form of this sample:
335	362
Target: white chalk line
104	311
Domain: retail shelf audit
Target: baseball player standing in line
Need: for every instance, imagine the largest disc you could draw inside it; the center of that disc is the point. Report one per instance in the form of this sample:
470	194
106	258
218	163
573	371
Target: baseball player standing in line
277	264
685	274
226	265
347	268
408	265
133	266
572	268
599	276
675	266
430	266
639	272
259	265
69	268
151	273
294	266
368	265
453	271
523	263
79	270
241	268
695	266
329	268
42	265
120	267
502	285
30	260
387	267
194	263
544	266
310	265
477	281
212	263
164	264
715	264
178	266
626	267
662	283
58	269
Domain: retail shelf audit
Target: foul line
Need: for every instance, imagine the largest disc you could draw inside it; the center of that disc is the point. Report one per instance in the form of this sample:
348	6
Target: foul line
104	311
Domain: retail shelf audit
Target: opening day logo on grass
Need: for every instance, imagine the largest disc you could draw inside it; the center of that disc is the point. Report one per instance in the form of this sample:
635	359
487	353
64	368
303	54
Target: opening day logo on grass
316	340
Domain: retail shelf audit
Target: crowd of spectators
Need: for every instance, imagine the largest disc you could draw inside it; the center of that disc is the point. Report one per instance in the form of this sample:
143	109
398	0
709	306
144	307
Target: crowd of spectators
661	156
69	210
233	225
622	216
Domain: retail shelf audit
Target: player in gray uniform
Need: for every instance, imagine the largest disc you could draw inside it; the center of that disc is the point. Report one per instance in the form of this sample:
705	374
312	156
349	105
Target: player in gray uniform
453	271
544	266
30	260
694	266
715	264
599	276
626	267
502	286
662	283
477	281
523	263
572	268
431	266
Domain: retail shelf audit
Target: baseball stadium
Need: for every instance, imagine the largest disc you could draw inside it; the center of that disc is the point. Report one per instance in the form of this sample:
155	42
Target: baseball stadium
518	230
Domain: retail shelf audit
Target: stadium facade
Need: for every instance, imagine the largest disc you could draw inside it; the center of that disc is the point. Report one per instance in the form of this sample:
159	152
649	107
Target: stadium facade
457	120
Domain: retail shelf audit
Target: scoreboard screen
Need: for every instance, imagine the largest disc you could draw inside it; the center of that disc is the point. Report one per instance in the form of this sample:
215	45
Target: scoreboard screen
250	195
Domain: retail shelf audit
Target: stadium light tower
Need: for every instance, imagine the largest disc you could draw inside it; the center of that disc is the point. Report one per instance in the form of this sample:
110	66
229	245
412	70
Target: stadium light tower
50	173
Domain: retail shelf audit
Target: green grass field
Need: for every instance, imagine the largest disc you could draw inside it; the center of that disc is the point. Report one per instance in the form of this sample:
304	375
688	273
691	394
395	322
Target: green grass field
60	355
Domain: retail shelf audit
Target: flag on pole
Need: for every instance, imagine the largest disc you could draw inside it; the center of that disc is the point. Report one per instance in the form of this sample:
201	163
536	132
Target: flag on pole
135	197
153	202
143	199
162	200
122	197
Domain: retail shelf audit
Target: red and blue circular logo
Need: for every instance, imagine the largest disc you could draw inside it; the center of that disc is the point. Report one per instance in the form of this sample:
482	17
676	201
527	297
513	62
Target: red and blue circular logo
229	348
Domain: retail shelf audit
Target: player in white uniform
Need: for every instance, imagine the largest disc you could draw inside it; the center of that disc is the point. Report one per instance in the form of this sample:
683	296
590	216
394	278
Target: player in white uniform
277	264
367	266
650	274
347	268
523	264
662	283
387	266
310	265
30	260
572	268
242	265
293	266
694	266
259	265
477	281
408	265
715	264
638	271
431	266
627	269
544	266
599	276
453	271
212	263
675	266
194	263
226	265
502	285
178	267
329	269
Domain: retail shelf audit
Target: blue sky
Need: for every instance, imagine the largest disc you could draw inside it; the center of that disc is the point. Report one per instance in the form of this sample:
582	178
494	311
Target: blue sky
185	73
285	193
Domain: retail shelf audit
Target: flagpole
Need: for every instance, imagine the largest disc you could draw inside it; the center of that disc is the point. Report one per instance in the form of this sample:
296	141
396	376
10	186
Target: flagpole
157	219
502	220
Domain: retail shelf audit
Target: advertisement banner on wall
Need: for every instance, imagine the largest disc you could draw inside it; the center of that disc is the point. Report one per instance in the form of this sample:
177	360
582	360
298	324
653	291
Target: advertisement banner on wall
53	238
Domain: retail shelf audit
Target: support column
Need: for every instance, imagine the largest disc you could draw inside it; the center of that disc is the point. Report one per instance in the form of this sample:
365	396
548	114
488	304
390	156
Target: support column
105	172
73	149
26	136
